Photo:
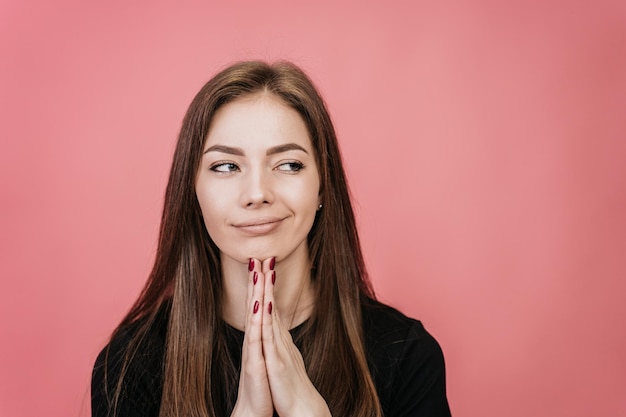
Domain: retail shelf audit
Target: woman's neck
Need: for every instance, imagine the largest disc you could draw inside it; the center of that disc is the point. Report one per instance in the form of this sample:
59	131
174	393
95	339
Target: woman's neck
293	292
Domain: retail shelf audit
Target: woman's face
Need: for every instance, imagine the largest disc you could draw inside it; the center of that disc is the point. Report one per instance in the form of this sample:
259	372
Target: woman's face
258	183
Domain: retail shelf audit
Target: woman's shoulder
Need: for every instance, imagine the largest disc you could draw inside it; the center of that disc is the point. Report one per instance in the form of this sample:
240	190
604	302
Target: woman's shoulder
147	332
406	362
387	324
133	355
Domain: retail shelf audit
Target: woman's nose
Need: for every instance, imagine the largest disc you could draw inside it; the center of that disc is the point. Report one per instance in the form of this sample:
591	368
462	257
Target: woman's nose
257	188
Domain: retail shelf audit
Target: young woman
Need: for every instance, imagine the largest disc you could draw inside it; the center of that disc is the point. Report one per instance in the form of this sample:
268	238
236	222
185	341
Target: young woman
259	302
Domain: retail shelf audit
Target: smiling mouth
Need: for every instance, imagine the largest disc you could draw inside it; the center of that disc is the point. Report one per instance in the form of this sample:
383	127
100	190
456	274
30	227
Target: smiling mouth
259	227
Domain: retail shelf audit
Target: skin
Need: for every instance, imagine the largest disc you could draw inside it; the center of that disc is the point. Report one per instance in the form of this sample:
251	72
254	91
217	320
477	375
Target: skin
258	189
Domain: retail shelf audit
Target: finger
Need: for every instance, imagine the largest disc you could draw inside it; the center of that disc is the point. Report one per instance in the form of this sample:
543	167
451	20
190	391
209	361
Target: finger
269	264
270	279
253	266
282	337
278	328
269	304
254	319
270	321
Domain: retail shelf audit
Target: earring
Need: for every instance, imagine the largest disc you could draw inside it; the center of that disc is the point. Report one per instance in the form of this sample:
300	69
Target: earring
319	207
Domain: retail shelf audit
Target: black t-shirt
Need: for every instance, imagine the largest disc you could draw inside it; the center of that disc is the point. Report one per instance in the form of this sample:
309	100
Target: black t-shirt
406	363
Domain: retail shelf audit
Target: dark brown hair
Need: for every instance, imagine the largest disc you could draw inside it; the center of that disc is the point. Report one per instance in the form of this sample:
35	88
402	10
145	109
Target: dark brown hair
199	378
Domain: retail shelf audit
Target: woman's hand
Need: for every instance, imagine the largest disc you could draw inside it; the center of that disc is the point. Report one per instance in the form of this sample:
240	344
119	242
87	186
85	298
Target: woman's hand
273	375
293	393
254	397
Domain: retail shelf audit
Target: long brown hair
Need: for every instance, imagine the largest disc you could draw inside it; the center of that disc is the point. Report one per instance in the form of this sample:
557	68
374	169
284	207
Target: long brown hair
199	376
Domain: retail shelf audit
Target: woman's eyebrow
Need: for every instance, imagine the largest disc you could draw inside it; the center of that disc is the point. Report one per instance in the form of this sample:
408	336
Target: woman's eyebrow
225	149
284	148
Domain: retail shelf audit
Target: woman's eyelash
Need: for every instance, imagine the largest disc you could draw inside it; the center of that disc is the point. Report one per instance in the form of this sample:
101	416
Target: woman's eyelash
224	167
291	166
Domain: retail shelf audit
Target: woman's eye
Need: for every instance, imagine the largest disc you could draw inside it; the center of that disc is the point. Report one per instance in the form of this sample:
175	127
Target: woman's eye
224	167
292	166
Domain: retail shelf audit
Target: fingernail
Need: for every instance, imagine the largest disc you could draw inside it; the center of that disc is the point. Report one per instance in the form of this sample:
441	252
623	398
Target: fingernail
250	264
256	307
255	278
269	308
272	262
273	277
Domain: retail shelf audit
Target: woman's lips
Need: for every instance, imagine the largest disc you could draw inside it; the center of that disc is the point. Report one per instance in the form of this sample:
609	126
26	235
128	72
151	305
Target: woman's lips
259	227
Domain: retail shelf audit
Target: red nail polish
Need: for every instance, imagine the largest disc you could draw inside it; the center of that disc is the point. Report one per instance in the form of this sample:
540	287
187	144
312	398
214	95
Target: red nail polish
272	263
255	309
273	277
255	278
250	264
269	308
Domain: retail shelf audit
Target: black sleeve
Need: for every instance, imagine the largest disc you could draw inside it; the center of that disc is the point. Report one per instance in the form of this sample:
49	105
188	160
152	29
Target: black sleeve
141	387
419	387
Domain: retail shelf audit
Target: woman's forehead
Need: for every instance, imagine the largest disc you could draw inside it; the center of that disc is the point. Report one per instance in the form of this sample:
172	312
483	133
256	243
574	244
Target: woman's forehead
257	122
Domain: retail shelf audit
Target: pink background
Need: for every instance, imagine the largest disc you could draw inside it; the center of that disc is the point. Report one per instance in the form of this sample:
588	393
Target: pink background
485	143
